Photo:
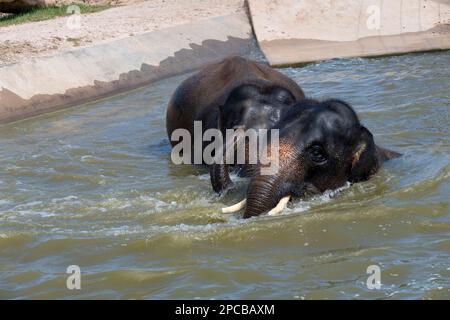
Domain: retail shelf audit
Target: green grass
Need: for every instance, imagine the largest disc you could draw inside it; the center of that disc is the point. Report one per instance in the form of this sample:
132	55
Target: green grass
39	14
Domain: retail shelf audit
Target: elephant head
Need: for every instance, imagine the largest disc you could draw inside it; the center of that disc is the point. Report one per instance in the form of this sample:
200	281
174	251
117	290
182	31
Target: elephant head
248	106
322	146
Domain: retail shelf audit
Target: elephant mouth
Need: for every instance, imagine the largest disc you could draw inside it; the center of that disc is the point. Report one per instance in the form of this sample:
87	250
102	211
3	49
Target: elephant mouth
306	190
278	209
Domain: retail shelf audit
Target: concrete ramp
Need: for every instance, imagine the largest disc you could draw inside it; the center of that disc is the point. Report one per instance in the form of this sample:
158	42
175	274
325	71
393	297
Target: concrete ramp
70	78
290	32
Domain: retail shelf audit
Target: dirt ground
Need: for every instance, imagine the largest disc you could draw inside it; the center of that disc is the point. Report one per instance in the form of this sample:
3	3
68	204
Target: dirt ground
36	39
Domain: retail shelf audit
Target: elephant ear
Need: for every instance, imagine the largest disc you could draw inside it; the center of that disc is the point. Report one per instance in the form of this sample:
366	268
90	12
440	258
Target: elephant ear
368	157
386	154
365	160
282	95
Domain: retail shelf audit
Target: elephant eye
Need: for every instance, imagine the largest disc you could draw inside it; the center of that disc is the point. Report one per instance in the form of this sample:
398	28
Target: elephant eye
317	154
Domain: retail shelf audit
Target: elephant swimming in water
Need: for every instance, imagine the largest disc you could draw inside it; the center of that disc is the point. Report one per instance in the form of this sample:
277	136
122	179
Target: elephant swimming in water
322	144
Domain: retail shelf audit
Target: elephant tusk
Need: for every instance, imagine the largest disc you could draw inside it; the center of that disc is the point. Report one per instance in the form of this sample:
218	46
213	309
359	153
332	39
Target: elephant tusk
280	206
236	207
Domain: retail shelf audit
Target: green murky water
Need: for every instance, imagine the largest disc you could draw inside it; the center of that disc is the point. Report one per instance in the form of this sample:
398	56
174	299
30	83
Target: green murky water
94	186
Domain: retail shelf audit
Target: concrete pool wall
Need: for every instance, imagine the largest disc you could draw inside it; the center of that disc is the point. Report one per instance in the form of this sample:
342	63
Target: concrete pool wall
291	32
73	77
288	32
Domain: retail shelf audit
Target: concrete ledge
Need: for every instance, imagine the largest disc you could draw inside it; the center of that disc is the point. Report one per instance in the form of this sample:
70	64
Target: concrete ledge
290	52
297	31
74	77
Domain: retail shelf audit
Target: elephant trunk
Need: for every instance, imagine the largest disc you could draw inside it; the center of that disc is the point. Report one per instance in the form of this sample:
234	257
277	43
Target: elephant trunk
220	178
266	191
263	195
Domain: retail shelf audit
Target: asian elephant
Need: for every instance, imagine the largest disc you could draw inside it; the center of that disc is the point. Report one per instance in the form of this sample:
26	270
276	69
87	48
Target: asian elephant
322	144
